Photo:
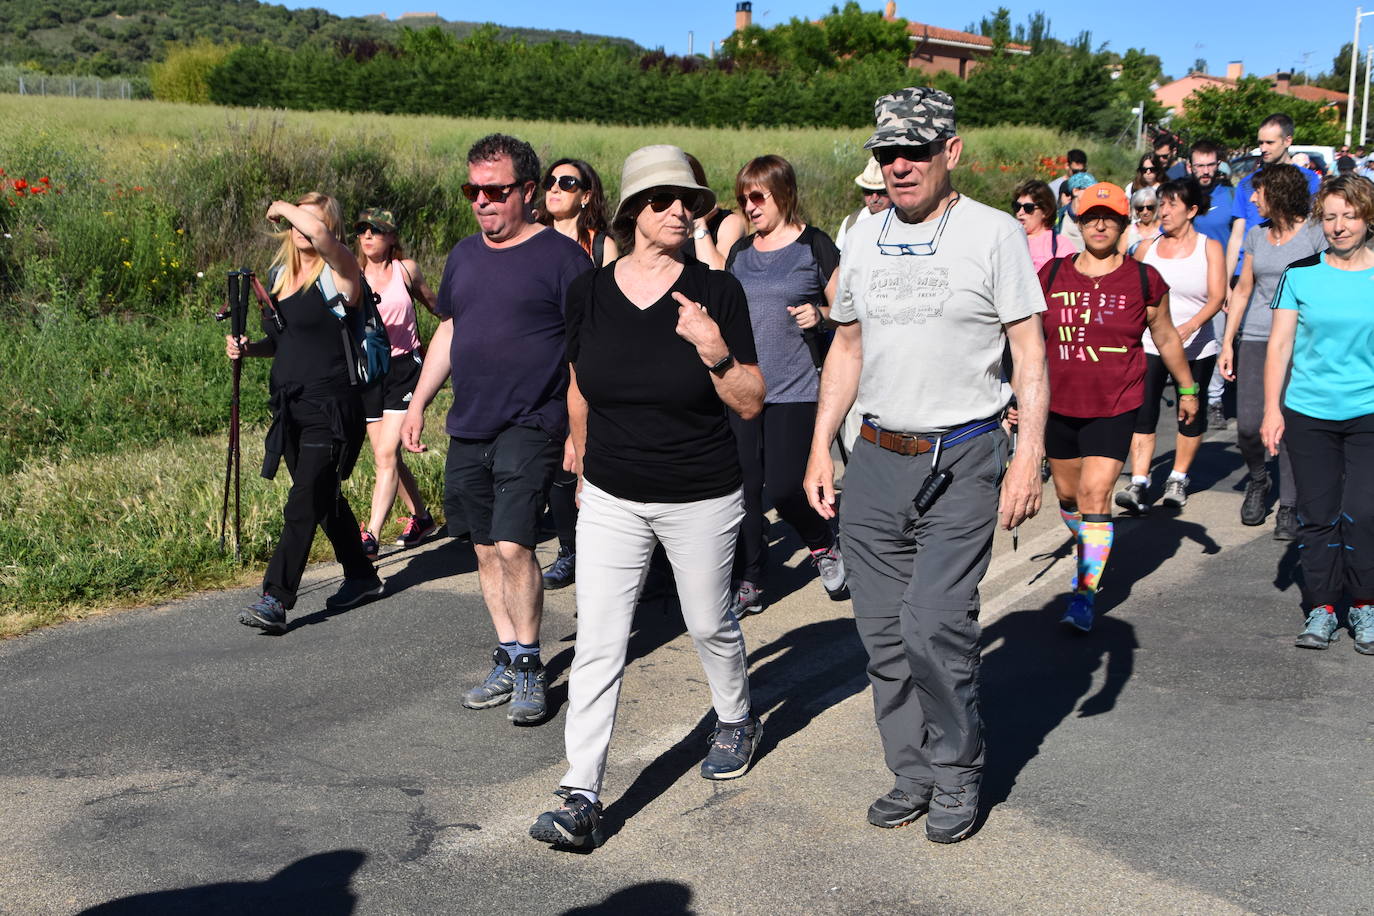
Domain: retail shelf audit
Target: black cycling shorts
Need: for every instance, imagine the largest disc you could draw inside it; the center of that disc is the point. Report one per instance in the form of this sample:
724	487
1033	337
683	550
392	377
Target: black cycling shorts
1067	437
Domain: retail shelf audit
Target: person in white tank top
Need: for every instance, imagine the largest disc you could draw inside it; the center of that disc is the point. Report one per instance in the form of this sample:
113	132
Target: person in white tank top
397	281
1194	266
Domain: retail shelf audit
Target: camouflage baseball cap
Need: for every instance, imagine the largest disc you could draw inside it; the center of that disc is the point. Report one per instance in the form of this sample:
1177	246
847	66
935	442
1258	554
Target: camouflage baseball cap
912	117
377	218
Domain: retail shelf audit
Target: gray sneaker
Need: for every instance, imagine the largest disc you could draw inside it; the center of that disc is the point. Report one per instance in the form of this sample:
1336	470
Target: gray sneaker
1175	492
953	812
1216	415
1134	498
897	809
748	599
527	706
830	564
1322	629
498	686
1362	626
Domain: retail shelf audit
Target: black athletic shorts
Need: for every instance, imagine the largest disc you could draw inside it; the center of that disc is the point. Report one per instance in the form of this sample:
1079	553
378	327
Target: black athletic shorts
1078	437
393	393
1156	377
501	485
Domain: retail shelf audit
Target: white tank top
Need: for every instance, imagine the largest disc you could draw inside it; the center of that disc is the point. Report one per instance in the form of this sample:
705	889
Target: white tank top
1187	279
398	312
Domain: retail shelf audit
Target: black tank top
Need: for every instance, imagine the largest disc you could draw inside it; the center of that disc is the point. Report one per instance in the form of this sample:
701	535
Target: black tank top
713	223
310	350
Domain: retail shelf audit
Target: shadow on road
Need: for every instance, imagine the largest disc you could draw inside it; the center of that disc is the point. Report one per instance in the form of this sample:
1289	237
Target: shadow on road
1142	545
317	884
663	898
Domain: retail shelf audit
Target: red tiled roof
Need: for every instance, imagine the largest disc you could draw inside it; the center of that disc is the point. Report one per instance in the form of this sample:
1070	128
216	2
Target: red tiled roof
935	33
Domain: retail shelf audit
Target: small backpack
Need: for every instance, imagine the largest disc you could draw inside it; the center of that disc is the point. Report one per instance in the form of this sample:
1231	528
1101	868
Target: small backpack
367	347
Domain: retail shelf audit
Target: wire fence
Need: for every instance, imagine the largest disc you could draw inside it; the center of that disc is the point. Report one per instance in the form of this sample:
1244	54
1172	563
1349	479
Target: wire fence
27	82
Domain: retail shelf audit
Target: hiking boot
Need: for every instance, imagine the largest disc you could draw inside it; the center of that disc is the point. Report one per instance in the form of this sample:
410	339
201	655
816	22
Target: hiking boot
498	686
830	565
418	527
1322	629
953	812
1175	492
1286	524
1216	416
1134	498
1254	507
563	571
267	613
527	705
370	547
748	599
732	749
575	824
1362	627
897	809
354	592
1080	612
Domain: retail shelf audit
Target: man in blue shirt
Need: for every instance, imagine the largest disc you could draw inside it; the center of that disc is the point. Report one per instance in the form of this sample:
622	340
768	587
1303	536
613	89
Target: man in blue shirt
1166	148
1275	135
1204	159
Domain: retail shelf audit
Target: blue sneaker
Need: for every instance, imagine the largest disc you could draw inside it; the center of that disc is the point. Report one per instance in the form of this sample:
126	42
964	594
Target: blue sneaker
1362	626
1080	612
732	750
527	704
267	614
576	823
563	571
498	686
1322	629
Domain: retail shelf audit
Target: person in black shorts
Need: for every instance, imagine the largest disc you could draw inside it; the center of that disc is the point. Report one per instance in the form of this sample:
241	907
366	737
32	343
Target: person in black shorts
1098	305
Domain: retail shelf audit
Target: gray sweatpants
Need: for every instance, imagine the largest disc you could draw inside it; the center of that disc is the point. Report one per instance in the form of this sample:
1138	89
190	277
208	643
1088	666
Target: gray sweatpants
914	581
615	538
1250	359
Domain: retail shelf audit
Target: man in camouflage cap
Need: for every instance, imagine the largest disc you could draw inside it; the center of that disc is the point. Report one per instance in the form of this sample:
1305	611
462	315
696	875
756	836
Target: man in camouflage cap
930	293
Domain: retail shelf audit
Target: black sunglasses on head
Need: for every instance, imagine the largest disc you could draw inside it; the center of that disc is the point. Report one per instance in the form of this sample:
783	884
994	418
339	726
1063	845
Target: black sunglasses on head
496	193
567	183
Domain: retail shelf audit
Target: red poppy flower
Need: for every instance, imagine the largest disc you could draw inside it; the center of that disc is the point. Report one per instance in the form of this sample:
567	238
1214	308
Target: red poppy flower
138	187
20	184
35	190
2	172
45	180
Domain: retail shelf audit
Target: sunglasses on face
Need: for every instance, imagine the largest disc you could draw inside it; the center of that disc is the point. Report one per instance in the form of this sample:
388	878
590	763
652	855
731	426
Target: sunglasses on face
567	183
1144	209
662	200
757	198
1023	208
886	155
371	230
1147	168
496	193
881	192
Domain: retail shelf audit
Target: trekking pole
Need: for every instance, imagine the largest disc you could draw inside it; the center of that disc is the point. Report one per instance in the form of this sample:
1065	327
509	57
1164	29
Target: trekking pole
234	310
239	323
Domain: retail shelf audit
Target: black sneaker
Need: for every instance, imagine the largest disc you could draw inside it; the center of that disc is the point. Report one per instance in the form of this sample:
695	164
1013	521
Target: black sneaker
897	809
267	613
354	592
418	527
1286	524
1255	505
563	571
1134	499
953	812
575	824
1216	415
370	546
732	750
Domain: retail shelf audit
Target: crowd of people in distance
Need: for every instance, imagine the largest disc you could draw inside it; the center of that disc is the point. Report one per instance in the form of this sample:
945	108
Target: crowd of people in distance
657	374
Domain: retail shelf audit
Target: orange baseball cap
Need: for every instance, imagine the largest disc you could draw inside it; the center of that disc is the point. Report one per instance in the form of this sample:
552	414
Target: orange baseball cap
1106	195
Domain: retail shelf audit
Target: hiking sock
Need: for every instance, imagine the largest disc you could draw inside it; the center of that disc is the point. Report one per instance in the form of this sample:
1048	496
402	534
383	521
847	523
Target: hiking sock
1069	513
510	648
1140	479
1095	536
532	651
1178	475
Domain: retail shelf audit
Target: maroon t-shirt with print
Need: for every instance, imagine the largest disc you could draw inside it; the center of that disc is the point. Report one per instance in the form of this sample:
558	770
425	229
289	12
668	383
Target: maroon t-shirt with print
1093	327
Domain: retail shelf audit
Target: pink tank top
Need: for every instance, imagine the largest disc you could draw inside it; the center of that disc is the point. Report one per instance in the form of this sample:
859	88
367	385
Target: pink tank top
398	312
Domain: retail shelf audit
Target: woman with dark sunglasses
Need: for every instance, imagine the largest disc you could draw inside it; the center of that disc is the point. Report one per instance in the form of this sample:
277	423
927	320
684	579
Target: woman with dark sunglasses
1144	226
660	347
1032	203
1150	173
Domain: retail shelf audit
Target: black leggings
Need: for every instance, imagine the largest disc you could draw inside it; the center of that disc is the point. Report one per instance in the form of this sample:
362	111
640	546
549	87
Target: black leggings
1156	377
773	449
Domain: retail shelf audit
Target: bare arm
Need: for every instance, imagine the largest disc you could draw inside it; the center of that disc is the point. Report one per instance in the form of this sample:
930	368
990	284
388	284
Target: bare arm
811	314
419	289
432	376
1170	347
341	261
1235	314
839	388
740	386
731	231
1021	486
609	251
1276	361
576	445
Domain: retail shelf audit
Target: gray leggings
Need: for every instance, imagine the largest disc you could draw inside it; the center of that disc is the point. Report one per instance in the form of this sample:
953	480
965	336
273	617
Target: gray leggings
1250	356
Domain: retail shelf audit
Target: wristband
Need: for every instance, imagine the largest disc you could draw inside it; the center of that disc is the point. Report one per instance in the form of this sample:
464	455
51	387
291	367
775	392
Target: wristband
1192	389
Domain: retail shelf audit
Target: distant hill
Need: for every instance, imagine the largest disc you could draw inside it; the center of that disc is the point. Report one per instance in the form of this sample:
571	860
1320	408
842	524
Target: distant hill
114	37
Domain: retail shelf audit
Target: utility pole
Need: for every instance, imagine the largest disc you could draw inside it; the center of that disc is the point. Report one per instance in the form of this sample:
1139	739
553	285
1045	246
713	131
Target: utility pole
1364	108
1354	65
690	37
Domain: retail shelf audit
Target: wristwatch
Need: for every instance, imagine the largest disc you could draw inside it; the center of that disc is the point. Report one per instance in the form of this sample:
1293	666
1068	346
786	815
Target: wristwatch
699	232
724	365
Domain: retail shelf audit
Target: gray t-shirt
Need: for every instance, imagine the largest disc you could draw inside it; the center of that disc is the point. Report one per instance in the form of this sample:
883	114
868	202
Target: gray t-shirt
772	281
932	325
1269	261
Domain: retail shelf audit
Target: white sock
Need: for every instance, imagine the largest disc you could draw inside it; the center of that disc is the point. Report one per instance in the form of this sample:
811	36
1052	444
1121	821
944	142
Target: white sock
588	795
1143	481
1178	475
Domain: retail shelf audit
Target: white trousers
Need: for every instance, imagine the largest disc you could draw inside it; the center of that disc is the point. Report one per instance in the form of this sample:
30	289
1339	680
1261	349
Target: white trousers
615	539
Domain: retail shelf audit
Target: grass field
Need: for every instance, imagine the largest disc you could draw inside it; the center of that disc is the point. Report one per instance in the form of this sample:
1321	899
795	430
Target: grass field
113	451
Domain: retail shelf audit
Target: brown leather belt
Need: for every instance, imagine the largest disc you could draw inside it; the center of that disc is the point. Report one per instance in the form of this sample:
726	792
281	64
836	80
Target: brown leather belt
900	443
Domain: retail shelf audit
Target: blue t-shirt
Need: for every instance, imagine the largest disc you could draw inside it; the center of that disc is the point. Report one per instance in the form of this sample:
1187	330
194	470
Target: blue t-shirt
509	349
1244	208
1216	222
1333	351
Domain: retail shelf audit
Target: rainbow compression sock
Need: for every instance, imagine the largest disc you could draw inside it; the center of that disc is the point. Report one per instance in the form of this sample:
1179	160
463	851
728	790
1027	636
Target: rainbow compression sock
1095	535
1071	517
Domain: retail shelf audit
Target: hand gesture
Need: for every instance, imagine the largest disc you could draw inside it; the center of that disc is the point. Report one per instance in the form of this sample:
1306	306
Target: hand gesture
806	315
275	212
1188	405
700	330
235	349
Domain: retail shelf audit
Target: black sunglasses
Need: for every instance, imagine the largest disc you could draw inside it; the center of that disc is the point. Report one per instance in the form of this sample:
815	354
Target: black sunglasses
496	193
886	155
1144	209
567	183
662	200
1148	168
1023	208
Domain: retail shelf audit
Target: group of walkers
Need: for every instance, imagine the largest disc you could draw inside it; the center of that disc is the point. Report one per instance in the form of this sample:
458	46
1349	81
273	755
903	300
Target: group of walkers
654	375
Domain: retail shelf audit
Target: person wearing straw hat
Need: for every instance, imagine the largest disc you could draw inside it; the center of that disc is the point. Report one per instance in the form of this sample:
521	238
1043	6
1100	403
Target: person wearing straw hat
870	181
660	347
929	295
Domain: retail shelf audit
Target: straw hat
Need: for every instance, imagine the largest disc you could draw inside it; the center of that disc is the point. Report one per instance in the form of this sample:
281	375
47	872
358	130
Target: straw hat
659	166
872	177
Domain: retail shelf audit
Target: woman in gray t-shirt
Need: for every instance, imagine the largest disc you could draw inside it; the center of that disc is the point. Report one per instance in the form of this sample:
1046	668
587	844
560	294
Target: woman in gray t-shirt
1287	235
786	269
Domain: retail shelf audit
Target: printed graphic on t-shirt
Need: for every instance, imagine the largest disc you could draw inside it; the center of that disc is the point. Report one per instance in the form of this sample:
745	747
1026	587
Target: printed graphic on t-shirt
1075	312
906	293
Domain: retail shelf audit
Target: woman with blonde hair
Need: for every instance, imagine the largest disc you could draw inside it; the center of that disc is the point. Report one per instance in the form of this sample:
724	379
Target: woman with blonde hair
317	412
397	282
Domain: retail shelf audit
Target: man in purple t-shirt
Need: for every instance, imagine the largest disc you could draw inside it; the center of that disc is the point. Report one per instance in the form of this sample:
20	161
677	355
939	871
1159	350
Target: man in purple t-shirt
501	338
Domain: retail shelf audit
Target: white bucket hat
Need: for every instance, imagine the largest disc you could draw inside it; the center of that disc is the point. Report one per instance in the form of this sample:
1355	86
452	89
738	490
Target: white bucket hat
659	166
872	177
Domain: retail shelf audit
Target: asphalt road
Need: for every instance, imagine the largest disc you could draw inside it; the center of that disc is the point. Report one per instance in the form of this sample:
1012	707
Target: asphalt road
1183	758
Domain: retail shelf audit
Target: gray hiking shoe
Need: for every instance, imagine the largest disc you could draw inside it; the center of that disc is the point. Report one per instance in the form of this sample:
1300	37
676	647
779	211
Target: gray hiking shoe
1175	492
897	809
748	599
953	812
498	686
527	706
830	564
1362	626
1134	499
1322	629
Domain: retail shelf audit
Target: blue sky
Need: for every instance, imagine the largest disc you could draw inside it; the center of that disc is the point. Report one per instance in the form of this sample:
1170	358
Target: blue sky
1266	35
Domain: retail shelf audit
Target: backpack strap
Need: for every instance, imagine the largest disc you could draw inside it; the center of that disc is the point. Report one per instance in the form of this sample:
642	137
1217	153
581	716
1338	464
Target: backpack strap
598	249
1054	269
332	297
1144	283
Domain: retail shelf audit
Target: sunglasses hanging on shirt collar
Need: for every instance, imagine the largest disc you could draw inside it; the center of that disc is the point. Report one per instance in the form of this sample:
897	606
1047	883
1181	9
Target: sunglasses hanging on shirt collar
914	248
